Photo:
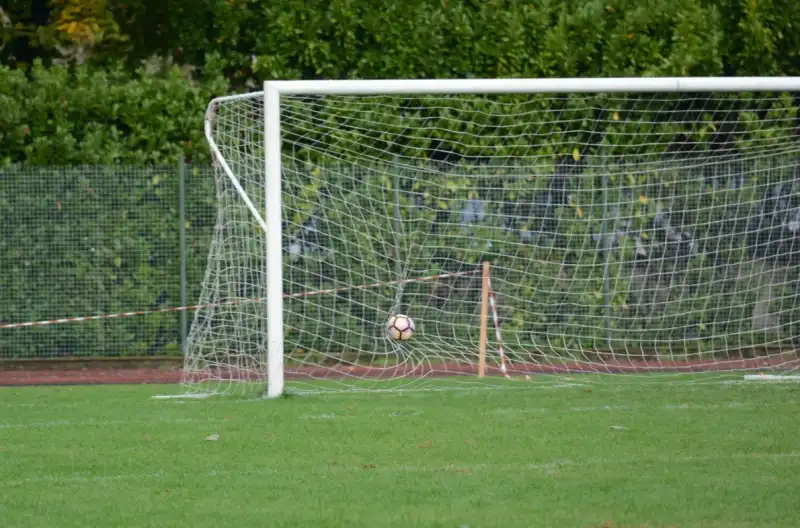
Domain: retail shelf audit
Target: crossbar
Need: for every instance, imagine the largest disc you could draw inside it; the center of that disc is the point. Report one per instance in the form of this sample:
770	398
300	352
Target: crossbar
518	86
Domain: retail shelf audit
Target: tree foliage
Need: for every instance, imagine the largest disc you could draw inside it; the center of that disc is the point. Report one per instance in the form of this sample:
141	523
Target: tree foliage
71	31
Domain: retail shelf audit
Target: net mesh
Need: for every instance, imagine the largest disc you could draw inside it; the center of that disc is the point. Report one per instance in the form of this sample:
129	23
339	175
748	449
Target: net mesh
626	233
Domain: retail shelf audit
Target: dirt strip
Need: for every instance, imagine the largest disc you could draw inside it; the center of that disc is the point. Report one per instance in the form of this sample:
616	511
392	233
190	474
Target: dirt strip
91	376
87	372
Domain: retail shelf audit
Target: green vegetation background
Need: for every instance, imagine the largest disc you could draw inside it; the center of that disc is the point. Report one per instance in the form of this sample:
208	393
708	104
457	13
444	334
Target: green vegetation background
87	82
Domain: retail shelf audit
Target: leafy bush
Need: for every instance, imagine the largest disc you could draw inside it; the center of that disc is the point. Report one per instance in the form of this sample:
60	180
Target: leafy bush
84	115
367	39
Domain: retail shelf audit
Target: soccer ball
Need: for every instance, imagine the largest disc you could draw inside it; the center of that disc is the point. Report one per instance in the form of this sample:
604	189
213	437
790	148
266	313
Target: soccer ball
400	327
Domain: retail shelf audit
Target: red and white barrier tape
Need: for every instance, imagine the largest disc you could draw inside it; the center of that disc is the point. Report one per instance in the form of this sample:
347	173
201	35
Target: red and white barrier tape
64	320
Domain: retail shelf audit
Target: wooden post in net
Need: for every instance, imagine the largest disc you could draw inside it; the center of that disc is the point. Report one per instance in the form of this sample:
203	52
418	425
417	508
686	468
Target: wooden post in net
484	320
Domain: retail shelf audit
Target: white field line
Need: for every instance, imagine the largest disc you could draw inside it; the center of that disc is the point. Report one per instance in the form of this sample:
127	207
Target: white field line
546	468
352	392
468	389
104	423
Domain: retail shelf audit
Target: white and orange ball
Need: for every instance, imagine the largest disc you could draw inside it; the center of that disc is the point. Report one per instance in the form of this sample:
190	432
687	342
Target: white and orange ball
400	327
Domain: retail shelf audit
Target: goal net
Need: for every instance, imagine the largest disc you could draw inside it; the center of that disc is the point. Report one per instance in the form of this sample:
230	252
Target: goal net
646	228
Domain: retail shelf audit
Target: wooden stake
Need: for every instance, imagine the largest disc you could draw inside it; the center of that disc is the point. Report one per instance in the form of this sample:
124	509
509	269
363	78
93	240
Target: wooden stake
484	320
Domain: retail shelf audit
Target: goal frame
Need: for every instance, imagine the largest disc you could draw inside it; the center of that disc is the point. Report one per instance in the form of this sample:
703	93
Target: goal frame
271	221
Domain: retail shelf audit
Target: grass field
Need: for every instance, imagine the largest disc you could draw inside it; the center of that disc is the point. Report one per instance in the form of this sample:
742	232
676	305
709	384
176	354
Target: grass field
573	455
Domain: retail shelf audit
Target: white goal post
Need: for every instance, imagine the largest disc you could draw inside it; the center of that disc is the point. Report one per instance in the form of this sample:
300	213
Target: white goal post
631	225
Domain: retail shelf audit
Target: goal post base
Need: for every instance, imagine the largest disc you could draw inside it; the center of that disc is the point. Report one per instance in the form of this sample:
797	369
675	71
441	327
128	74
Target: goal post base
772	377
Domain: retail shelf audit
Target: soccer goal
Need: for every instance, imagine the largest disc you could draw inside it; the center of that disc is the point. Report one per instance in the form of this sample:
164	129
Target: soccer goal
645	228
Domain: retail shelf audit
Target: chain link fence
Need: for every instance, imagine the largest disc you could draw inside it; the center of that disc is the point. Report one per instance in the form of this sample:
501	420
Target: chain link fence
87	241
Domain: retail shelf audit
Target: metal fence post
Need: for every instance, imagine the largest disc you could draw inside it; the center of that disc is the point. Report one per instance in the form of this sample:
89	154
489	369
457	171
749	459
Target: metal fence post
182	230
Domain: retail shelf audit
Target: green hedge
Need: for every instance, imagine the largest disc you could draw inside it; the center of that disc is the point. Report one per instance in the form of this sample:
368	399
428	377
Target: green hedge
87	116
367	39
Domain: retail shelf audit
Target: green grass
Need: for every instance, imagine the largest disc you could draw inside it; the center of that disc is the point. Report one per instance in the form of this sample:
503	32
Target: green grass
703	455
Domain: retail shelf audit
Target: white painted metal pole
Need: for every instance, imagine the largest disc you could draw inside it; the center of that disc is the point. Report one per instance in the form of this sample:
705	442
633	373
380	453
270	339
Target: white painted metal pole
532	86
498	86
215	152
272	190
